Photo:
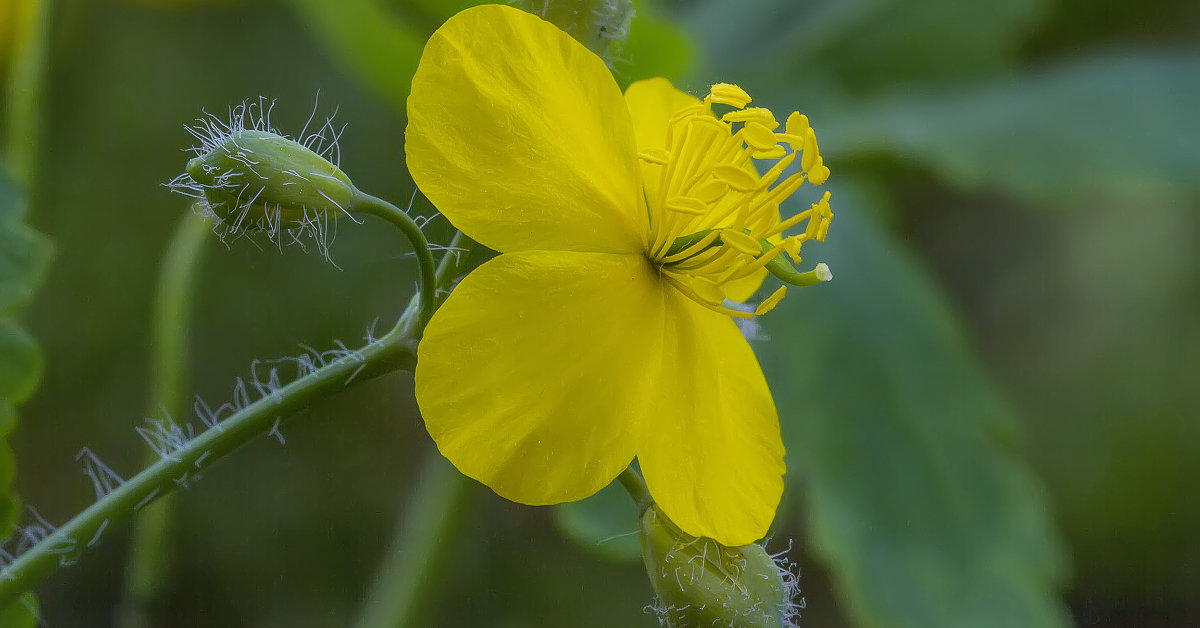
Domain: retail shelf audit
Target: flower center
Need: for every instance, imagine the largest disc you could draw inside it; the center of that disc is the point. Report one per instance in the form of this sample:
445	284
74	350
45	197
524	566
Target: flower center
714	221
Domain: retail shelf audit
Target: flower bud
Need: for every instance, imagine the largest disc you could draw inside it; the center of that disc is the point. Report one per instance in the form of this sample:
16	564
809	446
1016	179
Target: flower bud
261	172
249	176
700	582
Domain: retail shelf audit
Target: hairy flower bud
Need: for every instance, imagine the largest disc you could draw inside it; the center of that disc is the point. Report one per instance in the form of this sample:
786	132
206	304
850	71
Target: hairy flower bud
700	582
250	177
261	172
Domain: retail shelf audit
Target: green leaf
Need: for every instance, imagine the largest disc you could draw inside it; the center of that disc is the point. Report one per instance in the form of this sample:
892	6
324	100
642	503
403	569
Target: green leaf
371	42
605	523
1090	126
899	447
23	253
654	47
861	44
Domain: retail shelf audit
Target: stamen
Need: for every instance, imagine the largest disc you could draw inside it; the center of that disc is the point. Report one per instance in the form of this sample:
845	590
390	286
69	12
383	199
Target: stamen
727	94
687	291
693	249
756	114
736	178
710	188
771	301
741	242
759	136
687	205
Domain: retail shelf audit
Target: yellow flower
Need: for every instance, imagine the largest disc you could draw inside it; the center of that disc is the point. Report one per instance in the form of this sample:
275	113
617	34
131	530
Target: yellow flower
623	222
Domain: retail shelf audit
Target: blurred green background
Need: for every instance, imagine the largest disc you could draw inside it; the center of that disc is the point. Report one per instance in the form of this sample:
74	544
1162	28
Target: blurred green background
992	414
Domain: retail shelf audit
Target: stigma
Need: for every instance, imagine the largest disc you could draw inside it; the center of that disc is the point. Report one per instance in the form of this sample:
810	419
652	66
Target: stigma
714	219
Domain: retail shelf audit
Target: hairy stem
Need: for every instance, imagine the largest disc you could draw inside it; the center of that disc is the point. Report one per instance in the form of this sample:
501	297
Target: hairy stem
425	534
197	454
395	351
149	544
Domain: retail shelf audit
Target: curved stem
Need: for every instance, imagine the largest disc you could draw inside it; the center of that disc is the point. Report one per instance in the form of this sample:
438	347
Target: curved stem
368	204
425	534
149	543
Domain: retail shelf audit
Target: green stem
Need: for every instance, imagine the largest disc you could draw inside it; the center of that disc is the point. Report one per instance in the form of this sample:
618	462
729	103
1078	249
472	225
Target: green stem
367	204
149	545
425	534
633	484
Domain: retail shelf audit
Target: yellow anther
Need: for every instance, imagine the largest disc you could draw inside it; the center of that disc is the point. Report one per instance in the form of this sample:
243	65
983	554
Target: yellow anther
771	301
811	151
711	192
792	246
760	115
708	290
686	205
741	242
777	170
736	177
797	124
795	141
818	223
655	156
727	94
775	152
758	136
819	174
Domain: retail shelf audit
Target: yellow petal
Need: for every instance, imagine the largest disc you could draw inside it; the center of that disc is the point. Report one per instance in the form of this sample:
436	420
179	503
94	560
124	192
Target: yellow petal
520	136
532	375
712	454
744	288
651	104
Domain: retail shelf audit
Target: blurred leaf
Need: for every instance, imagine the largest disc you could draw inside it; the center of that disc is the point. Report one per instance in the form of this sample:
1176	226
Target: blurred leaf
1090	126
901	449
19	362
23	252
860	44
654	47
372	43
23	257
605	523
22	614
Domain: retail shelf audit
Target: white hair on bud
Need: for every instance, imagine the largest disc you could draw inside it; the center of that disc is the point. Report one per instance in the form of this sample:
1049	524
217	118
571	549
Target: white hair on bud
789	572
